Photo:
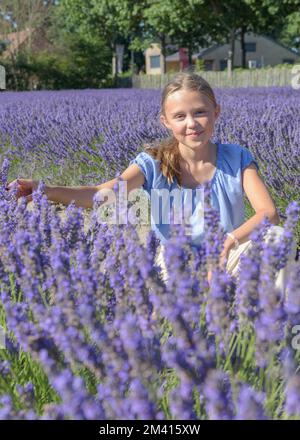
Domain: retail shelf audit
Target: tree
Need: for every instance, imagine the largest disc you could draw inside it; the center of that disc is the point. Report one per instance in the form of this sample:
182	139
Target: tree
259	16
82	53
271	15
232	20
18	15
115	22
290	33
186	24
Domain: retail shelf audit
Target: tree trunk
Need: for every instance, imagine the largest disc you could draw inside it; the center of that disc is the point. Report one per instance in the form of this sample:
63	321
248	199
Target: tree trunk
132	62
232	46
190	55
243	48
163	52
230	62
114	62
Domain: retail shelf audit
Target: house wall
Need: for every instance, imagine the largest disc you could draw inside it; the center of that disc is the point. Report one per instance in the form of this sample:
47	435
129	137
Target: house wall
267	53
173	66
154	50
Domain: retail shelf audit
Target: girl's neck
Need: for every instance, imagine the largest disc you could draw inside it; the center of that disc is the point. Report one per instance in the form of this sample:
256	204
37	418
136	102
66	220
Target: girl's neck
198	157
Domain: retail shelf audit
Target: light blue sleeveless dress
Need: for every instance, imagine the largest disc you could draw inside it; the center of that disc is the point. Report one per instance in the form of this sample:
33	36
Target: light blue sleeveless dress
227	194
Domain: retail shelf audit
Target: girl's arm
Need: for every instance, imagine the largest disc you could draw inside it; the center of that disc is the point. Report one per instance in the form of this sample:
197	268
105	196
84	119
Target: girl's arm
82	196
261	201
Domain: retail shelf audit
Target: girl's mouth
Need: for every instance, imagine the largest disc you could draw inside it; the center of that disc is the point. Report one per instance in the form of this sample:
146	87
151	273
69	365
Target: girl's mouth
197	133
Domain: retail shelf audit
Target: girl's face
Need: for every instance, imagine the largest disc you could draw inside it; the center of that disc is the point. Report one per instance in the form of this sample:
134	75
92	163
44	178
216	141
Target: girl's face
191	116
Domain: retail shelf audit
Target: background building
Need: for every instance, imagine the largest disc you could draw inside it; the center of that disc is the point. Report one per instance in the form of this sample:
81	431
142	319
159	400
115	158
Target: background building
261	51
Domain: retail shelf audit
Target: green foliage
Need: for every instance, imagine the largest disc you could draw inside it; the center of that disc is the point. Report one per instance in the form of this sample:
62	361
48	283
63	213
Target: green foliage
182	23
200	65
17	72
82	64
291	31
85	64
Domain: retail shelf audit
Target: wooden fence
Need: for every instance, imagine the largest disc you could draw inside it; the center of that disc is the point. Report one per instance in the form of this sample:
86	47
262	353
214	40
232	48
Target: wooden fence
276	76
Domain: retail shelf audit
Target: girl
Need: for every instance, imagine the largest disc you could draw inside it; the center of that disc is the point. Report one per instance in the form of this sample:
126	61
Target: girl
189	111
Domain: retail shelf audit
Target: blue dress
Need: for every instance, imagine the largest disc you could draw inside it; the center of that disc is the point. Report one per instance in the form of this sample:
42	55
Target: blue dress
227	195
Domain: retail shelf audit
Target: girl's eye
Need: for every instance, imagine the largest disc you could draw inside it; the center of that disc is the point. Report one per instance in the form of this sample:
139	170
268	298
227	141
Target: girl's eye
181	116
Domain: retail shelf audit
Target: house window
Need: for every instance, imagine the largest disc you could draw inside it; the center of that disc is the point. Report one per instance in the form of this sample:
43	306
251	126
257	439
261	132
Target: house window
250	47
223	64
208	64
288	61
155	62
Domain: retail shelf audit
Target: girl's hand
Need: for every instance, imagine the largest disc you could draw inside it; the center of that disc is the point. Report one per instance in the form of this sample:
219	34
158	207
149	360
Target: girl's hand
209	277
25	188
228	245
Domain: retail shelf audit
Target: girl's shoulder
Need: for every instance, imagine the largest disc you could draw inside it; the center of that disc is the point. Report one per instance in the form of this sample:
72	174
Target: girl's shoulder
150	168
143	156
146	161
233	158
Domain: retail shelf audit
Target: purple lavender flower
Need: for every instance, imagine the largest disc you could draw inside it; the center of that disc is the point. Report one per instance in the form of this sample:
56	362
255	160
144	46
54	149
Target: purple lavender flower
218	396
250	404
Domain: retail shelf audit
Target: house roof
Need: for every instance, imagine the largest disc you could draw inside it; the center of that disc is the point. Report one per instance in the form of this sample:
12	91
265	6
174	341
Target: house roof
15	40
295	52
205	51
212	48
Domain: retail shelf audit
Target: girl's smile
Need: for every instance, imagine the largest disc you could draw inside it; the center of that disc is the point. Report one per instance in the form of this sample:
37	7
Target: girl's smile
195	134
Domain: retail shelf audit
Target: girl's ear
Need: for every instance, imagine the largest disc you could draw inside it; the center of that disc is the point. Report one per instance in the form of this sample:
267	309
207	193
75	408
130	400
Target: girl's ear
164	121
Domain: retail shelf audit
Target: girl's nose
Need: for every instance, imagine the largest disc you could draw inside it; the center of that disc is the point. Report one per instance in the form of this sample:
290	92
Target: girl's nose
191	122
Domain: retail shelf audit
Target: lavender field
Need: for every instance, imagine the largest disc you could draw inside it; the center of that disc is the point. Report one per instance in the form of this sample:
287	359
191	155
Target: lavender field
87	328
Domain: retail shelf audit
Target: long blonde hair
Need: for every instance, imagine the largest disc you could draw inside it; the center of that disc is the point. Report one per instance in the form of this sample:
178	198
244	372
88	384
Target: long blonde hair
167	151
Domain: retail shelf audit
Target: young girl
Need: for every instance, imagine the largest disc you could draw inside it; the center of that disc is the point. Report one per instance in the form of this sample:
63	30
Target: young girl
189	111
